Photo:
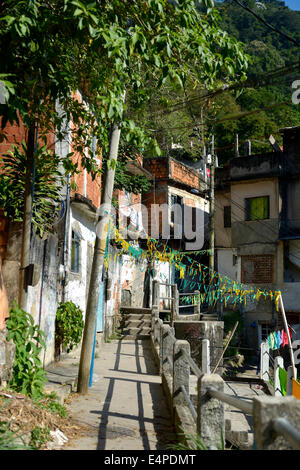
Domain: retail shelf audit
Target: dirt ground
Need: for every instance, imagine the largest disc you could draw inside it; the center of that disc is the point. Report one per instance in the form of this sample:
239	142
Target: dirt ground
22	416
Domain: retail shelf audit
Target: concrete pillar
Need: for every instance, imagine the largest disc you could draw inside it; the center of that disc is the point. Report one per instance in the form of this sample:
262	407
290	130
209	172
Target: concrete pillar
175	304
211	419
155	293
205	356
264	361
266	409
278	362
167	349
181	371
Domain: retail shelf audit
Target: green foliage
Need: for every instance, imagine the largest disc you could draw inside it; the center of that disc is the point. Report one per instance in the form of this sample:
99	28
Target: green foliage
50	402
52	49
39	436
195	442
28	375
11	440
69	325
269	51
46	186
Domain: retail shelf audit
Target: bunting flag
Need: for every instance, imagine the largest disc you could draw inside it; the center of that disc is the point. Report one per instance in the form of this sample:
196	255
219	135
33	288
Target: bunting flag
213	287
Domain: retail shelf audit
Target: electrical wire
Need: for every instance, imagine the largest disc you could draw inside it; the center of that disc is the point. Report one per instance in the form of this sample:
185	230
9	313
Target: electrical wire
262	20
258	81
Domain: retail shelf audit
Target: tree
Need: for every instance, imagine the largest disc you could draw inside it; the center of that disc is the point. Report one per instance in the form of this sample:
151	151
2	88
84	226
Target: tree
52	48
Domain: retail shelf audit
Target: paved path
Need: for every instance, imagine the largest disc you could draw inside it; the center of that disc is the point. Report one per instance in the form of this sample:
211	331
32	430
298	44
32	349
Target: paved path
125	408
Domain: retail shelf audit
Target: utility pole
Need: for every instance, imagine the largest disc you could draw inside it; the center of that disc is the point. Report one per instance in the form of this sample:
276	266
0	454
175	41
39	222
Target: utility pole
212	209
27	217
97	265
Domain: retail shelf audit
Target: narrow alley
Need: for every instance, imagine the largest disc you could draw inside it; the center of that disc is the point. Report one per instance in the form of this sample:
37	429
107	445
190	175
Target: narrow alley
125	408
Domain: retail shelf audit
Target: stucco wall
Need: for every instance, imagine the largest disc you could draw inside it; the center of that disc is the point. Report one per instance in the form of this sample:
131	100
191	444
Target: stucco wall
76	285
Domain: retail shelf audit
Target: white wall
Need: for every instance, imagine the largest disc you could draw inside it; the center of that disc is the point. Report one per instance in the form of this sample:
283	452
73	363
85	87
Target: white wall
76	288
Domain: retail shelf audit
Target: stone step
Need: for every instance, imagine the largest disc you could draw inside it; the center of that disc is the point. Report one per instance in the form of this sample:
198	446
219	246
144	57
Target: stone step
136	317
133	337
137	323
209	318
137	332
135	310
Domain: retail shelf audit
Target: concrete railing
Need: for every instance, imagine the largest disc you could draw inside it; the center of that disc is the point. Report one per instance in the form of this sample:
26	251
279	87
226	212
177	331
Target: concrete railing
276	420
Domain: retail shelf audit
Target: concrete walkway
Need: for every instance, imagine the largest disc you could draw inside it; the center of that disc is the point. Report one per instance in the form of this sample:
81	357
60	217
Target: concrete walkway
125	408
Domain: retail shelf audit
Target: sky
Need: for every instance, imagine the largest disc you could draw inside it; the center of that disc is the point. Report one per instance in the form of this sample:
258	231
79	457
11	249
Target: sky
293	4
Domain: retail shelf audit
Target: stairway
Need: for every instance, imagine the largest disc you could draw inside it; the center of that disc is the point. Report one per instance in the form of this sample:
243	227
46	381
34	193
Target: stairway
136	322
209	317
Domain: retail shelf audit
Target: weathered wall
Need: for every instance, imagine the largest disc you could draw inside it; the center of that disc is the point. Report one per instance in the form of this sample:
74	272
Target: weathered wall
222	234
228	263
42	295
195	331
77	283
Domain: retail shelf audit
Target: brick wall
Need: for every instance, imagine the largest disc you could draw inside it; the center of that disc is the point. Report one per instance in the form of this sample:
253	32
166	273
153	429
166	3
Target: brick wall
257	269
157	167
160	168
184	174
14	136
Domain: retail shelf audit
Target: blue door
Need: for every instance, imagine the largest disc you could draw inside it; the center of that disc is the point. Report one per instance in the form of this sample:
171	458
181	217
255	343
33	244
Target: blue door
100	308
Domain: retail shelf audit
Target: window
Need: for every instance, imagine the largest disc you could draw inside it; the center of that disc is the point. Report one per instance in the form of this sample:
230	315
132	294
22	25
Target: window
176	201
227	216
75	252
257	208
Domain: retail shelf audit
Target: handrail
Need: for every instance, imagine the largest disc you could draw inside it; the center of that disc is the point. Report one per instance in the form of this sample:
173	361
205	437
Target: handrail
192	363
283	427
242	405
189	305
280	426
190	403
189	293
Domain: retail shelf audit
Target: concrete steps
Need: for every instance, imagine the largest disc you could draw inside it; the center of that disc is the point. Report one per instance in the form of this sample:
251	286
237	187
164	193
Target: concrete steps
209	317
136	322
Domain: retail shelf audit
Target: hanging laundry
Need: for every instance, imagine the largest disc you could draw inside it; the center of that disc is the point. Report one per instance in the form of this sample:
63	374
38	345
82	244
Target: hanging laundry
271	341
277	340
284	339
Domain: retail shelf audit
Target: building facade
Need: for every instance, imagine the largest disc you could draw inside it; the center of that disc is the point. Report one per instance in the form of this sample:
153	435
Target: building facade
257	230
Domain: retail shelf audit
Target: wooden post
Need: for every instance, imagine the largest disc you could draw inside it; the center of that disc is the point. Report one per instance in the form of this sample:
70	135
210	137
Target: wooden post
289	338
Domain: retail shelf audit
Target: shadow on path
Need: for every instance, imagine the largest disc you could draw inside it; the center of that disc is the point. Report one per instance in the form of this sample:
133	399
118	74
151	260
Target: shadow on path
153	424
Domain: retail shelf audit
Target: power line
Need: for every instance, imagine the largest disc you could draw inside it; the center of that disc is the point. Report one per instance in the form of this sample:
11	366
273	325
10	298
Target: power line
262	20
258	81
230	118
265	224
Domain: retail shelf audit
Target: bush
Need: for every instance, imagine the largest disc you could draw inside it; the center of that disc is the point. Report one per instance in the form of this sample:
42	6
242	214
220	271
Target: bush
69	326
28	374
